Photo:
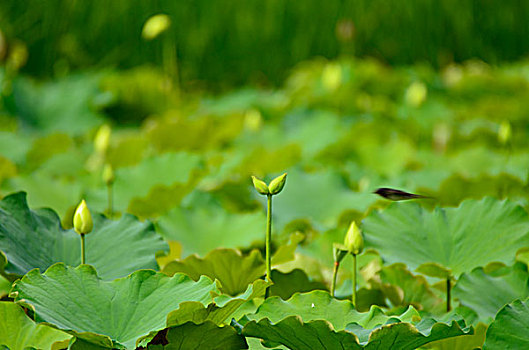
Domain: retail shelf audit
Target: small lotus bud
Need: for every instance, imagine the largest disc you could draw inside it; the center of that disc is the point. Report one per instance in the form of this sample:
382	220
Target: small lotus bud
260	186
155	26
416	94
108	174
504	132
332	76
277	184
82	220
102	139
354	242
339	252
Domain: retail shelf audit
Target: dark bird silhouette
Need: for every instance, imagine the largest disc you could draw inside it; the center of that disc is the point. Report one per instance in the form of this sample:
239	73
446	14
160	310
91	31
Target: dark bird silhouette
396	195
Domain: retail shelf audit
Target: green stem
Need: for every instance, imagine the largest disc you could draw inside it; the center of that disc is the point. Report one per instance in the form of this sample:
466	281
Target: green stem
448	294
353	297
334	275
110	201
82	249
268	241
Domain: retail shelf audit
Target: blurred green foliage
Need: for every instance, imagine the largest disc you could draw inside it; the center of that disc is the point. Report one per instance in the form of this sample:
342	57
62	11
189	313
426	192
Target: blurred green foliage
226	43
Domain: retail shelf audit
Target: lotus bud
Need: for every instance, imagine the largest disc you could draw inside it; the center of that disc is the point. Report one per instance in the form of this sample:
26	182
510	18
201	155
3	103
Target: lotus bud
102	139
155	26
354	242
82	220
108	174
416	94
260	186
504	132
339	252
277	184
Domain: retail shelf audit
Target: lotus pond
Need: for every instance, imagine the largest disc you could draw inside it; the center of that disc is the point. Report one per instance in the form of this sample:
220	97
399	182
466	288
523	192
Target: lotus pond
175	257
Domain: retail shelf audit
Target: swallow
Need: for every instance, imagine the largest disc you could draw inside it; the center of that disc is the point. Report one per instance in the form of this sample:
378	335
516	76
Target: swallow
397	195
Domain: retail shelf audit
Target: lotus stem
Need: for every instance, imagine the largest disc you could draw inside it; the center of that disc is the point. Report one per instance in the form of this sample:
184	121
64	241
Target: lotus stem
82	249
353	297
110	201
334	275
268	241
448	294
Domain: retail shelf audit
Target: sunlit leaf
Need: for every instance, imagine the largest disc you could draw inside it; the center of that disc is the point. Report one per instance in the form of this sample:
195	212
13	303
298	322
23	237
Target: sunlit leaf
109	314
34	239
459	239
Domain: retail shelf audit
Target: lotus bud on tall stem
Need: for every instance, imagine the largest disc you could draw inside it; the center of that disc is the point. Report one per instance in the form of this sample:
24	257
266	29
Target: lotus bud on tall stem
354	243
83	224
275	187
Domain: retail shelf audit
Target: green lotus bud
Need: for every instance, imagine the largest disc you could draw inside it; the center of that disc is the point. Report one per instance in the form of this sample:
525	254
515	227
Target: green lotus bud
277	184
108	174
155	26
354	242
504	132
416	94
102	139
332	76
260	186
339	252
82	220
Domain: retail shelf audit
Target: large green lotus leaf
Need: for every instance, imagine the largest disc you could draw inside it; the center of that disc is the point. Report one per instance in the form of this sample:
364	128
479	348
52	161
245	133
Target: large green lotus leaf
313	130
233	270
205	228
486	293
458	239
165	170
18	331
319	305
402	288
293	333
114	313
207	335
34	239
67	105
510	329
296	201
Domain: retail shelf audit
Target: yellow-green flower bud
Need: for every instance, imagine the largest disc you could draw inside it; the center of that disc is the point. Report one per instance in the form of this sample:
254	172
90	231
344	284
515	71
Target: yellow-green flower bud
504	132
277	184
82	220
102	139
108	174
416	94
155	25
260	186
354	242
